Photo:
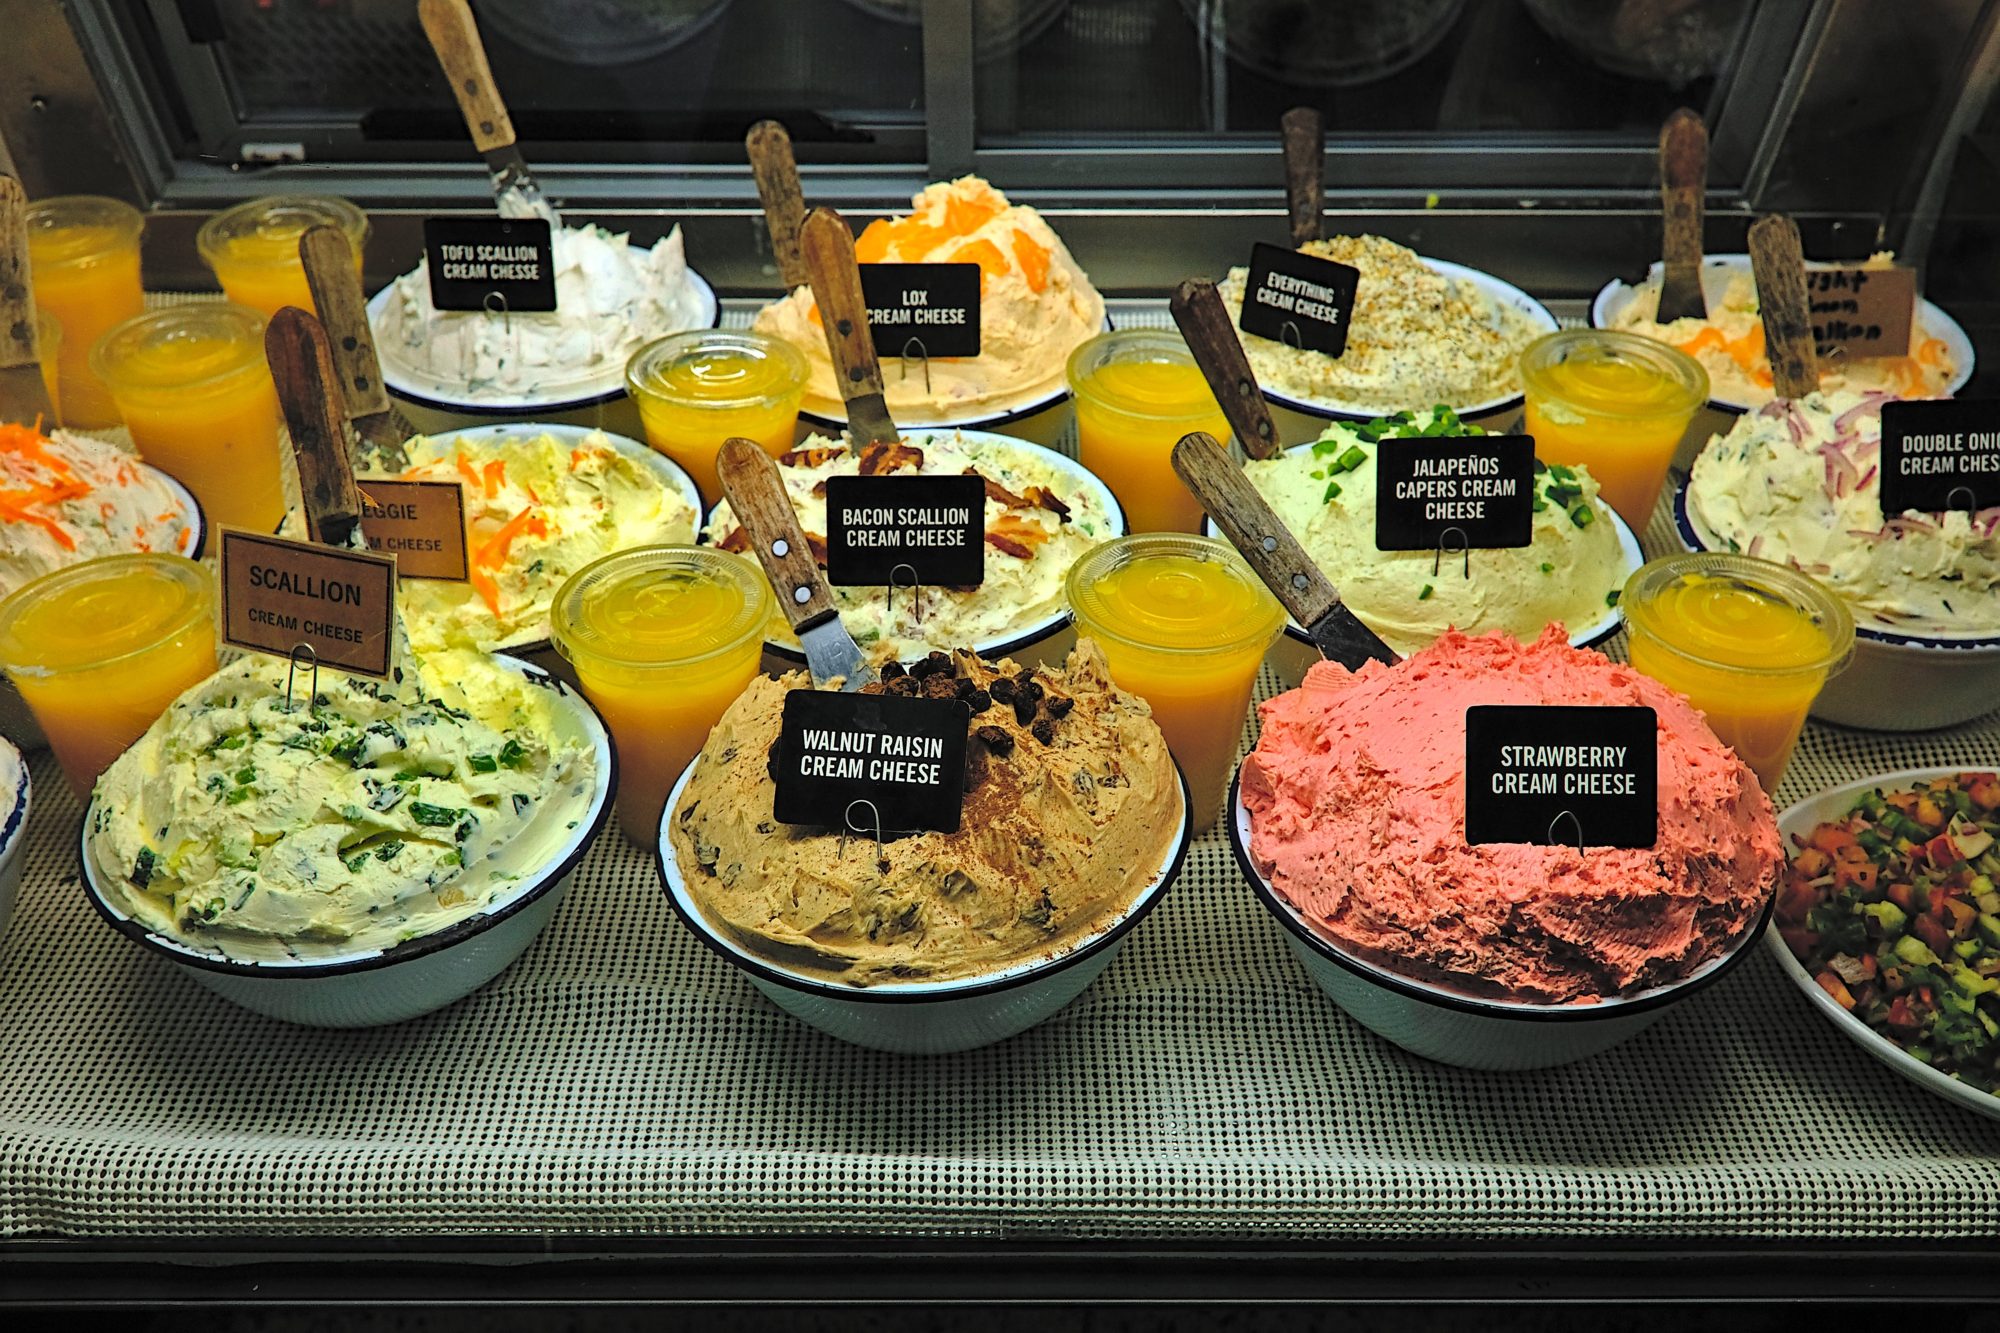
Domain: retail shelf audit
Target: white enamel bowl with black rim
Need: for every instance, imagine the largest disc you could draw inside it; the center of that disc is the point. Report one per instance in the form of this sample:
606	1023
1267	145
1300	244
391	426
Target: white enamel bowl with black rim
13	828
533	642
17	721
433	404
368	988
1458	1027
1293	654
1798	822
1296	416
1040	414
1045	639
1616	297
1899	679
924	1017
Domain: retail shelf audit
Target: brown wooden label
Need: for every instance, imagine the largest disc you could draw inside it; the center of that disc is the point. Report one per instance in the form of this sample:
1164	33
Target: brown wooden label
1861	312
421	523
278	594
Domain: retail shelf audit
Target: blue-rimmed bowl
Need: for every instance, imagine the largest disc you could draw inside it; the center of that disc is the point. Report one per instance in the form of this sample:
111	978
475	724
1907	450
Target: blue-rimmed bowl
1899	679
13	828
924	1017
342	988
1459	1027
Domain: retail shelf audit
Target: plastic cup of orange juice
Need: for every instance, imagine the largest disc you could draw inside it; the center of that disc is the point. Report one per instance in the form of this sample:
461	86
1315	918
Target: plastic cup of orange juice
1184	624
1749	642
84	253
48	349
254	247
197	395
99	649
1615	403
663	638
1137	392
697	389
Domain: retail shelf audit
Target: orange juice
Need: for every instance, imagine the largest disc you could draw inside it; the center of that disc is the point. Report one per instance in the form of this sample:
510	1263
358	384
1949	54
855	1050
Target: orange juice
1137	392
697	389
1184	624
254	247
663	638
1614	403
197	394
99	649
1748	641
84	253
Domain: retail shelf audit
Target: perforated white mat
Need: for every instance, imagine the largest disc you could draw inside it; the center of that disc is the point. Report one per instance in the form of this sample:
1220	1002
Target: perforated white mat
621	1078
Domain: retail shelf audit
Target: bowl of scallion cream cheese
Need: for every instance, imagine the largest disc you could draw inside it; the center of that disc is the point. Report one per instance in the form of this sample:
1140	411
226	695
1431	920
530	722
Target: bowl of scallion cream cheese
339	851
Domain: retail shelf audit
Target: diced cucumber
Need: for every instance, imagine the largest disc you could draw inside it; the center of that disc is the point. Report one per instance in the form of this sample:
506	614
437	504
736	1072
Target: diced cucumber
1914	951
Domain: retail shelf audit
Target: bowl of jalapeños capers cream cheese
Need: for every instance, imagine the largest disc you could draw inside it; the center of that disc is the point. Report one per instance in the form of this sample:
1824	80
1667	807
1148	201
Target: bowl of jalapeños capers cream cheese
342	851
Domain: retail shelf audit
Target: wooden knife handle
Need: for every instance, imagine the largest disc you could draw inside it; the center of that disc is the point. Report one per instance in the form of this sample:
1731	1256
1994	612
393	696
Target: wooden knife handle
455	38
1683	186
17	288
828	246
777	175
1204	323
756	493
343	313
301	362
1305	172
1778	262
1213	478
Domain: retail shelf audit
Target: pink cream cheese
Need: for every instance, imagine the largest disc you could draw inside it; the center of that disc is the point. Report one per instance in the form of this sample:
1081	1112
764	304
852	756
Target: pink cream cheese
1356	794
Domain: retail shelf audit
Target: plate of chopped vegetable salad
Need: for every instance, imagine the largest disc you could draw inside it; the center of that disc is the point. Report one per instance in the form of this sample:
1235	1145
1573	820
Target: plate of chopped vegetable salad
1888	917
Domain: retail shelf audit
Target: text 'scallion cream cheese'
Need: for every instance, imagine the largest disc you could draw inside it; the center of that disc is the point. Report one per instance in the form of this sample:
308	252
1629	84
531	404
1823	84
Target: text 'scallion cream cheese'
382	812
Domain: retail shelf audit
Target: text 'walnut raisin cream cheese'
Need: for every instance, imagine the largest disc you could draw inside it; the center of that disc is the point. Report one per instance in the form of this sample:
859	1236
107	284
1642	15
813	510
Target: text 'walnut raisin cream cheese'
1072	806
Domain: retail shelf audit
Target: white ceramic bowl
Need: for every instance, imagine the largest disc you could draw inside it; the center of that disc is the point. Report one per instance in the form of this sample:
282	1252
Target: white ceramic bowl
1897	680
433	405
13	829
1046	639
533	644
1294	653
1798	821
923	1017
1296	416
17	721
1717	271
377	986
1039	415
1457	1027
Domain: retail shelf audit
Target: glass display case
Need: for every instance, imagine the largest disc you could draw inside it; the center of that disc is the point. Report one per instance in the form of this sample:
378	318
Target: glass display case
628	1113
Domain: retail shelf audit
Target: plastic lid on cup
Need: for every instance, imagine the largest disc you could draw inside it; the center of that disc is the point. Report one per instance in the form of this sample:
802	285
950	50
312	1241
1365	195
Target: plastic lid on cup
181	349
71	228
717	368
1713	639
267	231
1174	611
660	606
1614	374
99	612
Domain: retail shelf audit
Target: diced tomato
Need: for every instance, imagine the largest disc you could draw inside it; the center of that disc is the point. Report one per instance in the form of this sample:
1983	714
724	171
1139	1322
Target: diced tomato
1963	916
1942	851
1811	863
1837	988
1928	813
1985	793
1932	932
1795	899
1860	874
1830	838
1903	896
1901	1016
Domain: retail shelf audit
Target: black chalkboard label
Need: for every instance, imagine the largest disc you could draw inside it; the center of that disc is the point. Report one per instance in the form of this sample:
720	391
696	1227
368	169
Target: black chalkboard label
1562	774
490	264
1476	491
936	305
1297	299
936	526
904	756
1940	454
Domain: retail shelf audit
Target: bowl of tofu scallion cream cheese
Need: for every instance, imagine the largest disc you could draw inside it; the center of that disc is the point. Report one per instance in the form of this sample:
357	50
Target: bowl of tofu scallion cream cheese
355	854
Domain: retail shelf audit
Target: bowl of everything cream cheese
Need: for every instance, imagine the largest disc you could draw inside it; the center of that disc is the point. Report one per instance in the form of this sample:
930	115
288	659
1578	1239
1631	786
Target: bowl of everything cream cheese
338	851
